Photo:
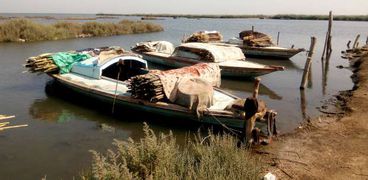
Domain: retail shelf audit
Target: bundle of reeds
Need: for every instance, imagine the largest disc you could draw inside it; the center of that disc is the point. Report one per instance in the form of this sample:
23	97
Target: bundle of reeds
255	39
203	54
204	36
355	52
41	63
148	87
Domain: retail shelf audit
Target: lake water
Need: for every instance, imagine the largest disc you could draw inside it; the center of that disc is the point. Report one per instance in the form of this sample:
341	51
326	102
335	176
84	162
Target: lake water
61	132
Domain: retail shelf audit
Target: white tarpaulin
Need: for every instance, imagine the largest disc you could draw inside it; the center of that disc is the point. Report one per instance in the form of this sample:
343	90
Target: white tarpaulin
155	46
214	53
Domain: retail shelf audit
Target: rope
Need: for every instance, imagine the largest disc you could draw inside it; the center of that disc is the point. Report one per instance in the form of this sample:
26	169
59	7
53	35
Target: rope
116	90
223	125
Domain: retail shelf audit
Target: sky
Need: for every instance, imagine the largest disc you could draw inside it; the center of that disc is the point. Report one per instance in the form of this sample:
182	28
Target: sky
267	7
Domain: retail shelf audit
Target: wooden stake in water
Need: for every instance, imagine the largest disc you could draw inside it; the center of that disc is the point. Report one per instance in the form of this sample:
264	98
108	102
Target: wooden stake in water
256	87
329	44
278	37
327	47
308	63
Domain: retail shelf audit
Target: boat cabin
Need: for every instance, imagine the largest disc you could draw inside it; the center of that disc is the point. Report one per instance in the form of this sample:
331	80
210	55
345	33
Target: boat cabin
128	66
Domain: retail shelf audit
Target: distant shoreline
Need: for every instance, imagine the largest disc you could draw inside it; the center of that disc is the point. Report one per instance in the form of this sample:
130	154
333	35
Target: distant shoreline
279	16
192	16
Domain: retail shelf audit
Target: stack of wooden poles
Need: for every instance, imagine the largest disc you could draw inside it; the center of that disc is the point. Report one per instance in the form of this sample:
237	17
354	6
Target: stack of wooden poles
148	87
5	125
41	63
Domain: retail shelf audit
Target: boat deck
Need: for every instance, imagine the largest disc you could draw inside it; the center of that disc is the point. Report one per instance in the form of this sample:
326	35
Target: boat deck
221	100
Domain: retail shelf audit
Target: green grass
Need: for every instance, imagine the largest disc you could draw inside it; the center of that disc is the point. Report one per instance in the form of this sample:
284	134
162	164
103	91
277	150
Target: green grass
158	156
15	30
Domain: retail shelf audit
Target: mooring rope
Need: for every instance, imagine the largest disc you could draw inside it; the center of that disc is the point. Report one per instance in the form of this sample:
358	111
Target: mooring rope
233	131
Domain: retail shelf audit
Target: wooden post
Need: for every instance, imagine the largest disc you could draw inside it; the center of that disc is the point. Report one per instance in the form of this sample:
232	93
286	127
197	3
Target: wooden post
324	47
366	41
310	78
256	87
308	63
327	47
252	29
303	104
330	19
356	41
278	37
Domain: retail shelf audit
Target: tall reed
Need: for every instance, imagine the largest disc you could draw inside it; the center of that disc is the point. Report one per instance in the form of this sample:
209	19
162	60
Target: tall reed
25	30
158	156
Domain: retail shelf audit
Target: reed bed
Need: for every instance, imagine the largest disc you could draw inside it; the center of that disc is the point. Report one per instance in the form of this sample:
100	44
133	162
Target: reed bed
158	156
321	17
25	30
259	16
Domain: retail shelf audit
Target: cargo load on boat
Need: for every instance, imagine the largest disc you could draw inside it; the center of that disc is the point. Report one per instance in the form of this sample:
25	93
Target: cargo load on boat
174	85
164	47
63	62
204	36
255	39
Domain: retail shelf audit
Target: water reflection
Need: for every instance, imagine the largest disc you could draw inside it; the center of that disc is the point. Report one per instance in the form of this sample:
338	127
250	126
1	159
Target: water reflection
288	64
49	110
325	63
247	87
310	78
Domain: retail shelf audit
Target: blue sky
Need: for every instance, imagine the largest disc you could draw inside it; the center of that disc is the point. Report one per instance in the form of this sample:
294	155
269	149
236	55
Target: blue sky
348	7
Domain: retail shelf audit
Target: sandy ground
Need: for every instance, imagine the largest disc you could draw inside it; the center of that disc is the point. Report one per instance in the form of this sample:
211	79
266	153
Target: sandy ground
328	147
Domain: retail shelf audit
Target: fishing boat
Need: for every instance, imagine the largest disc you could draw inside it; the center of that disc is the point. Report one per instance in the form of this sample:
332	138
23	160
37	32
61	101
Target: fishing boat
120	81
252	43
230	59
269	52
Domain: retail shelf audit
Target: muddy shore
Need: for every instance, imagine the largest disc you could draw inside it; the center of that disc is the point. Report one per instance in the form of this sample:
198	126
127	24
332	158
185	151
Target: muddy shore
330	146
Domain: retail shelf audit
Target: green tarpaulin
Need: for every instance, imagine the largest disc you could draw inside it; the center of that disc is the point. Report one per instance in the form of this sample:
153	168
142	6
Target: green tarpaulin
65	60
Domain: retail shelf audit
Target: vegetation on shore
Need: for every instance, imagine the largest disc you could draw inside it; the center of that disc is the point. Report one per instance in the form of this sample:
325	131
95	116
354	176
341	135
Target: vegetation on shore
158	156
24	30
279	16
57	18
321	17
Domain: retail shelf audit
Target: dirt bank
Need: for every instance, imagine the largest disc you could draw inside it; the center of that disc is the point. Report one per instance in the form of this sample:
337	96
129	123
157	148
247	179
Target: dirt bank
328	147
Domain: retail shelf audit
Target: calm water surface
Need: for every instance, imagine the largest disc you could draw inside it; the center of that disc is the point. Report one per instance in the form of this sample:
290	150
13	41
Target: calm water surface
61	132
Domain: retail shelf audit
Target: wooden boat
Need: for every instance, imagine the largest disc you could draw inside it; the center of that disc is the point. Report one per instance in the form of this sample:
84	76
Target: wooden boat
230	59
109	82
270	52
252	43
